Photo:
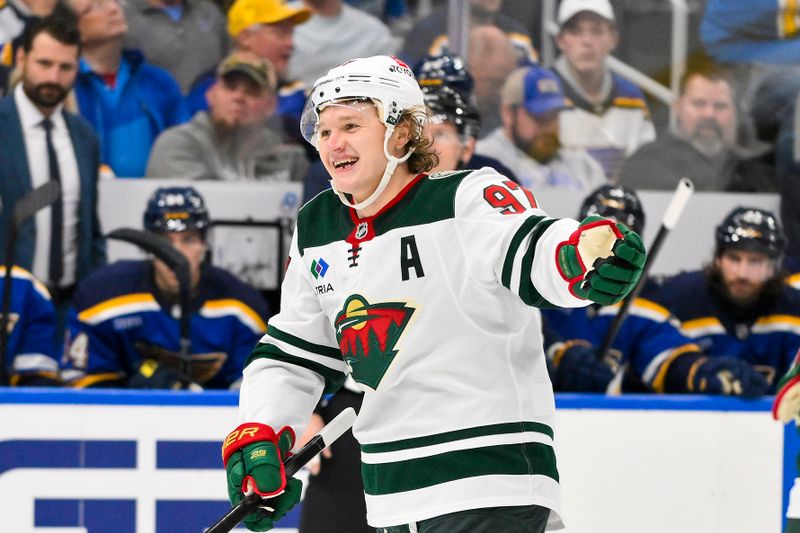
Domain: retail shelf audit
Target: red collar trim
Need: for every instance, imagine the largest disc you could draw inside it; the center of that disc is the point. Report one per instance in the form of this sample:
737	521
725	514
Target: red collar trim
354	216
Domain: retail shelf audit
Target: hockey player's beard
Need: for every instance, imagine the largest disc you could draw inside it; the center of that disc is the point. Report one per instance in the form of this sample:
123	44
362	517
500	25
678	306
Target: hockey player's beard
543	147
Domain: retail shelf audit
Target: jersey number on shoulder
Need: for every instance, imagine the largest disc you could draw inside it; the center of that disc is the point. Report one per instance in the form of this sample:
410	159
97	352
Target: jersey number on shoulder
509	198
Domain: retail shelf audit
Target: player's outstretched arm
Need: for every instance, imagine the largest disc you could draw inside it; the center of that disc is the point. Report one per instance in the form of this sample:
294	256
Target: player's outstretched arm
602	260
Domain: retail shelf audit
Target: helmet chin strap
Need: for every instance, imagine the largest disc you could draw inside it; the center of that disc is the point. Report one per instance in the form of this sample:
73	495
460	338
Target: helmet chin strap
391	166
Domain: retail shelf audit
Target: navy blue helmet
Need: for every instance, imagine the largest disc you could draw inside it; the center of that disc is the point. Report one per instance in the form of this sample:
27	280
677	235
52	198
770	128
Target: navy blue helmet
617	202
449	70
175	209
753	229
447	105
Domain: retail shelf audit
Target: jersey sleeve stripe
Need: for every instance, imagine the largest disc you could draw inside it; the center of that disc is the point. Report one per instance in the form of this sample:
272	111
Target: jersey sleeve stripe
122	305
519	237
702	326
334	377
451	436
655	375
777	323
288	338
527	459
25	362
518	263
231	307
93	379
21	273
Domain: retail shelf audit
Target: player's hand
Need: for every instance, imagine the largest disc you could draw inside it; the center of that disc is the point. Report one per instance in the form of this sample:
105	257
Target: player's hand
154	375
253	455
578	369
787	400
726	376
315	425
602	261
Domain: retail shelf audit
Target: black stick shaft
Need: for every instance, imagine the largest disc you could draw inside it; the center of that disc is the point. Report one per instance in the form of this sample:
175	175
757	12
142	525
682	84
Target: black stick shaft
622	314
249	503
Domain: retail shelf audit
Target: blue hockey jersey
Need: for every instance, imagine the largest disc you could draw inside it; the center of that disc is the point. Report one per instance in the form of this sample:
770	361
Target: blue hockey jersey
767	336
119	319
33	348
649	339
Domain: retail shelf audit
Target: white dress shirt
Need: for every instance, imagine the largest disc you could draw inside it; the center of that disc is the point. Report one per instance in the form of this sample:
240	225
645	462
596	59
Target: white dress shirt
36	148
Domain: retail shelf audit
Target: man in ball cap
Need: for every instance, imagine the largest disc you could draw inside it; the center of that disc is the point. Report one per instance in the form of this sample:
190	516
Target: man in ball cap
609	116
528	142
231	141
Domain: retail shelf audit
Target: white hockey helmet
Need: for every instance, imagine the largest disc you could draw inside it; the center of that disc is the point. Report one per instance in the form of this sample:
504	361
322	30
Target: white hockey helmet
387	82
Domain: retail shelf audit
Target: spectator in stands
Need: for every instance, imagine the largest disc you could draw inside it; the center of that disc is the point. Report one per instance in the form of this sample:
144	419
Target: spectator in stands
702	144
32	348
429	35
740	305
231	141
40	142
14	16
127	100
649	353
334	34
185	37
528	142
609	116
266	28
124	326
491	61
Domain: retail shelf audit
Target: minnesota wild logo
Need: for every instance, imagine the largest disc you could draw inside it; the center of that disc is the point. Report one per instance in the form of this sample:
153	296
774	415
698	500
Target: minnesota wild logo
367	334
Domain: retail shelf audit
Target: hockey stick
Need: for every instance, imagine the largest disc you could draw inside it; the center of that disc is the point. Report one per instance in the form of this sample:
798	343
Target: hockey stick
24	208
335	429
176	262
674	210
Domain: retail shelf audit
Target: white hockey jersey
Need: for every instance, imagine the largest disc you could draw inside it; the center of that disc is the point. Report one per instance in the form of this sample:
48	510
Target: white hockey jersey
431	306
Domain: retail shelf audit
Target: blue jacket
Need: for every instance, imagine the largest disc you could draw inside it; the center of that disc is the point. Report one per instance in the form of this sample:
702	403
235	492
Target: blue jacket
15	182
127	118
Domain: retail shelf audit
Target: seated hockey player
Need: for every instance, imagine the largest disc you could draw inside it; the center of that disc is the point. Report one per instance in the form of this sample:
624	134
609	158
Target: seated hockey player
125	320
740	305
649	346
432	285
32	348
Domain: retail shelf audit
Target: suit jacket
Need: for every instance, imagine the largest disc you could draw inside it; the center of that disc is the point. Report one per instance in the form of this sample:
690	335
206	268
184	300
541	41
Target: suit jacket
15	182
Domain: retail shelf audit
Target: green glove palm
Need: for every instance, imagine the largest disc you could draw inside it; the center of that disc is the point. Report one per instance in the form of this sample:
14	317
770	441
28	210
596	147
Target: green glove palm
615	256
253	456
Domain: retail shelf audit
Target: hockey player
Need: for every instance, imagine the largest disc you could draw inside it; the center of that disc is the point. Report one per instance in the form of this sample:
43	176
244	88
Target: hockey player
425	290
125	321
31	344
454	122
649	345
740	305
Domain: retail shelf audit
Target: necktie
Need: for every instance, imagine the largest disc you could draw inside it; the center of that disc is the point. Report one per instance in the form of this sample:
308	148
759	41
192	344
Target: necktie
56	270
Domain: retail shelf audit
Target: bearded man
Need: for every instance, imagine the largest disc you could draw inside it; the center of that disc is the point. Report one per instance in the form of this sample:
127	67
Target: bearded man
702	144
528	141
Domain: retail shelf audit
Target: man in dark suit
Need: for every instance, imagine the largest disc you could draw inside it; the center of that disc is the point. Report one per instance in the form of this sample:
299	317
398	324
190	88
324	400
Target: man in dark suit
39	142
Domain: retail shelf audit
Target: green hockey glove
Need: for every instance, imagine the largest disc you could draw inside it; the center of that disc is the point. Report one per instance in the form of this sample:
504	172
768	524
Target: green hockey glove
602	261
253	455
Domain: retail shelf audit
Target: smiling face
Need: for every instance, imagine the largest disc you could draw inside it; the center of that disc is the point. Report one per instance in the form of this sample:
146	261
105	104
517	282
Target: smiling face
350	141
